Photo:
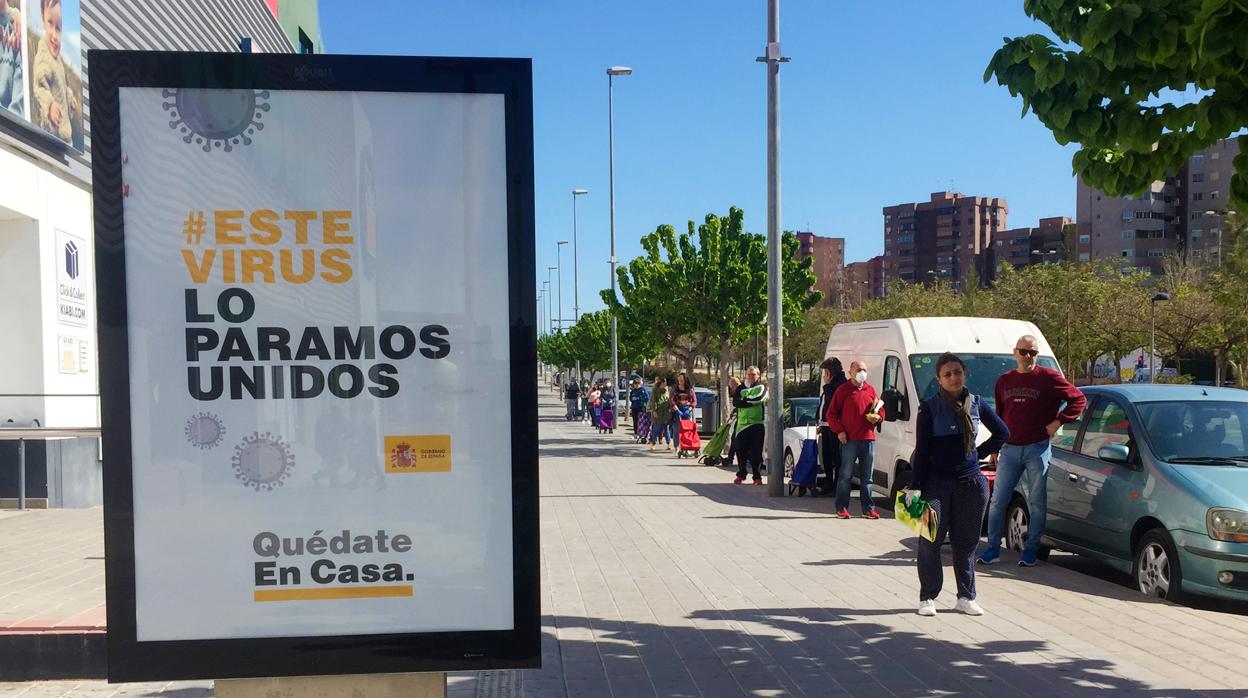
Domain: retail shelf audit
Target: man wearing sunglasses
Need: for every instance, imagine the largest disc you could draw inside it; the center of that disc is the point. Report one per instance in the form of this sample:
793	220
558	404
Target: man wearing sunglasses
1030	401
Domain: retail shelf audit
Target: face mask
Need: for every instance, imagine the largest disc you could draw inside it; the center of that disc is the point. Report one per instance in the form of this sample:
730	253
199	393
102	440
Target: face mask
860	377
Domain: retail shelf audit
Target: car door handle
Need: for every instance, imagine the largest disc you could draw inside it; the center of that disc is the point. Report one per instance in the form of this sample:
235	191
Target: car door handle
1072	477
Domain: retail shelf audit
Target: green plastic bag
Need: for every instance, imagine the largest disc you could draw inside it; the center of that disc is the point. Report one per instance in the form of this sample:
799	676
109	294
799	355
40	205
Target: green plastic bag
917	515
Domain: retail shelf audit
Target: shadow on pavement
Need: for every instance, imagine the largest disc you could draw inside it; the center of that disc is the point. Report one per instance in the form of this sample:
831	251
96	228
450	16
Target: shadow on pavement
806	651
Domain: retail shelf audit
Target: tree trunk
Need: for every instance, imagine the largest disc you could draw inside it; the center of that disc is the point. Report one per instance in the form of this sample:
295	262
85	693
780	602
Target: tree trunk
1219	366
725	360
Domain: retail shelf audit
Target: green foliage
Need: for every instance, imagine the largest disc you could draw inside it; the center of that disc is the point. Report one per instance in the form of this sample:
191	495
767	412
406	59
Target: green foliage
1106	96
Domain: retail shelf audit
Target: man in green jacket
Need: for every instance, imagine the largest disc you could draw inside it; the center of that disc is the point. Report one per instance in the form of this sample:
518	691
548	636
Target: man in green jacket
749	398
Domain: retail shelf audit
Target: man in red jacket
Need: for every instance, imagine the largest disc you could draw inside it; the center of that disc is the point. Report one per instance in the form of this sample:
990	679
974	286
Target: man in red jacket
853	414
1030	401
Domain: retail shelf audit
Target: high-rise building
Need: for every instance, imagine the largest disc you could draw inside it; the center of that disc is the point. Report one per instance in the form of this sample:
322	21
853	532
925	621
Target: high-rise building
48	372
864	281
1023	247
1137	232
1181	215
1206	186
942	239
828	265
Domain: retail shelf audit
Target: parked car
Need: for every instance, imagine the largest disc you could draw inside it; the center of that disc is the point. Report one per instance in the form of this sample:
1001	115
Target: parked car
1153	481
901	357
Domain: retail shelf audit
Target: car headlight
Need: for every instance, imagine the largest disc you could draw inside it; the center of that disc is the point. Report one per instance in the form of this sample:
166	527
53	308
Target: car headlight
1229	525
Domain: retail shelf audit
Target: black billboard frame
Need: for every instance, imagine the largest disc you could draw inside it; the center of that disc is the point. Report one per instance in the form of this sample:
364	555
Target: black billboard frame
131	660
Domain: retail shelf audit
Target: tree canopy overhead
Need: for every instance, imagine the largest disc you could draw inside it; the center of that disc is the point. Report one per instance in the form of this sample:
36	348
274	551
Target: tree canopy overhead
1110	95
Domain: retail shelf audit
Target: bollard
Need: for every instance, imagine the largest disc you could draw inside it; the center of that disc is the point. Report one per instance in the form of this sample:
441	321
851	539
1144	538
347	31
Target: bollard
21	474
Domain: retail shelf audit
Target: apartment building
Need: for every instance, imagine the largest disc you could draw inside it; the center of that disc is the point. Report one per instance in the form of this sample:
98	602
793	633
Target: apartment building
828	265
942	239
864	281
1021	247
1206	188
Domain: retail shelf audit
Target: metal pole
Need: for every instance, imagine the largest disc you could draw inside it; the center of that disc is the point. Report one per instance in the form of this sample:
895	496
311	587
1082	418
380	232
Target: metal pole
21	474
615	347
559	278
576	275
1152	342
775	310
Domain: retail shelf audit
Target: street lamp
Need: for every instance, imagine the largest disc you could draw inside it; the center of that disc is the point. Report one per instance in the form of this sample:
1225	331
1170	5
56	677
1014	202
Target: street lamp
612	72
576	264
559	277
1152	328
550	304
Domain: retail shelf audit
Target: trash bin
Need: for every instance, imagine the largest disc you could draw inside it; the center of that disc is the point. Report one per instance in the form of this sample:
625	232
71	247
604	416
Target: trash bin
708	403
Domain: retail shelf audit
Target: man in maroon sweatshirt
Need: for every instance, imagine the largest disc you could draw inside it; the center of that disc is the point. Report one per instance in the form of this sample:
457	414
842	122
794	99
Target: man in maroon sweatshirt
1033	401
852	416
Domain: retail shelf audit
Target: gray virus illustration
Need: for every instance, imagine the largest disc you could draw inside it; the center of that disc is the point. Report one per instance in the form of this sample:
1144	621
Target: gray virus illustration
216	118
262	461
204	430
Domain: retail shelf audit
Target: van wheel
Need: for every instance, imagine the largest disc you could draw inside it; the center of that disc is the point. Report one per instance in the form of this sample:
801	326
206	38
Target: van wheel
900	482
1156	570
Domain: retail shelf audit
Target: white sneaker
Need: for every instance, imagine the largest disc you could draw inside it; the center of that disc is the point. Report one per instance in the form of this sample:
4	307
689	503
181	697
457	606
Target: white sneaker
969	607
927	607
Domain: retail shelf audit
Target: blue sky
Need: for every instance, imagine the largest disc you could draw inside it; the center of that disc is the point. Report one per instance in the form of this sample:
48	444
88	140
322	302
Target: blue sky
882	104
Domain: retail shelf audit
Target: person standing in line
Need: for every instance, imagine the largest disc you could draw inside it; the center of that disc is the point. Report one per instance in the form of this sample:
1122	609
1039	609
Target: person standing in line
683	400
946	473
1030	400
832	376
638	398
593	405
749	399
660	414
572	395
853	416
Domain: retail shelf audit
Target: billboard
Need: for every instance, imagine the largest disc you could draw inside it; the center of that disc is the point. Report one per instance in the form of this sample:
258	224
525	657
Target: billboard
317	360
41	66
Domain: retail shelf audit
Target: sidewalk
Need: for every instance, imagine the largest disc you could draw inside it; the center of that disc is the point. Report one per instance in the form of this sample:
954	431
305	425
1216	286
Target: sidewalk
661	577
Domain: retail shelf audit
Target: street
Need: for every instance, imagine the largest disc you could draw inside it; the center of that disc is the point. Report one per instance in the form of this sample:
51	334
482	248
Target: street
662	578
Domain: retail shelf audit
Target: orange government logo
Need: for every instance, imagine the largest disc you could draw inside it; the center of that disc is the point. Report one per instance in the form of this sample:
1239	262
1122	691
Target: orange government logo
428	453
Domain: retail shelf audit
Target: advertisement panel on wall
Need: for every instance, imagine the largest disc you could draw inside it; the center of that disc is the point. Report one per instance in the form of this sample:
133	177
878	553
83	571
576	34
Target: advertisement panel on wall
53	68
317	362
12	58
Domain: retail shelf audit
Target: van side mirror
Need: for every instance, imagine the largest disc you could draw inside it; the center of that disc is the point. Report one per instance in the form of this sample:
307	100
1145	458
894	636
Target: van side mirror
896	407
1115	453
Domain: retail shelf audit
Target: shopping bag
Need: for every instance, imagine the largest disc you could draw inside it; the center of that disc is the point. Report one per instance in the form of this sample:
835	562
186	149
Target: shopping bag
917	515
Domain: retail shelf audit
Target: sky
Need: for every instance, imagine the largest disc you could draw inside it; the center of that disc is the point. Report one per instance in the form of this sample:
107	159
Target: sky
882	104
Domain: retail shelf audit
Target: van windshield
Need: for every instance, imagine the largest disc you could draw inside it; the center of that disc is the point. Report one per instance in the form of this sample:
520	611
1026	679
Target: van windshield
982	372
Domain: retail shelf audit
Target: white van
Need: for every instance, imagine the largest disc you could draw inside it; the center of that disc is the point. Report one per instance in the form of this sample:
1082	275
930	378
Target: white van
901	363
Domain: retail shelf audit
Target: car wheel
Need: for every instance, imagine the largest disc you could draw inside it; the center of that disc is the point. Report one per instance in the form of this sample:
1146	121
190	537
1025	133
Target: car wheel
1156	570
788	464
1017	520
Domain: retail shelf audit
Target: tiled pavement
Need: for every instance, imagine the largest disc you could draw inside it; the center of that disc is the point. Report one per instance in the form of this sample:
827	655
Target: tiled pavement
660	577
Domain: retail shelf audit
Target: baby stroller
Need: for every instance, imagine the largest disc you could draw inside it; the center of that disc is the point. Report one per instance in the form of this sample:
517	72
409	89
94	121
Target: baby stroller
688	443
644	425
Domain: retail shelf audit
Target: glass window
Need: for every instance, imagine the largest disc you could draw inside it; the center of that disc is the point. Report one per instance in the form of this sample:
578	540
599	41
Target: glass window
1197	196
982	371
1065	436
1198	159
1085	238
1128	233
1085	257
1107	426
1196	429
1198	177
1196	232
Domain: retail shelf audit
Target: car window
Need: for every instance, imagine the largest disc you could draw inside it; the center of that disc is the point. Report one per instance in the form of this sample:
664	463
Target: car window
1066	434
1196	428
803	412
892	375
1107	426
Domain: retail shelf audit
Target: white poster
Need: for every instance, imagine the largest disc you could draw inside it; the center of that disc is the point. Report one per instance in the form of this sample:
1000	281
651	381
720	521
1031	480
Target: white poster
318	332
72	279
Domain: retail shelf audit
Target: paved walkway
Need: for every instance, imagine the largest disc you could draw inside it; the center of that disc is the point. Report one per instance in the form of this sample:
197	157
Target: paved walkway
660	577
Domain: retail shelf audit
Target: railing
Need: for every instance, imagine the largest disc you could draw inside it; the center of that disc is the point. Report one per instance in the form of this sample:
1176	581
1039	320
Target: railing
37	431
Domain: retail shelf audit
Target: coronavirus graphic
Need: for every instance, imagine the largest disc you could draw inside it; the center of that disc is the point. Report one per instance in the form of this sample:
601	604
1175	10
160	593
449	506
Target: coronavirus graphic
262	461
216	118
204	430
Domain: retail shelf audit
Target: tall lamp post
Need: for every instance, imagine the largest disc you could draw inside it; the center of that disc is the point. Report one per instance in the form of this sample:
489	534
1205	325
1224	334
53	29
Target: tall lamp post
775	316
550	303
576	272
1152	330
612	72
559	280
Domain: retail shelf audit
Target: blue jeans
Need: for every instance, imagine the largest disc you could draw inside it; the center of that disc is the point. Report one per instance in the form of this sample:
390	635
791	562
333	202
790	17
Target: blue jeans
1014	462
857	458
661	432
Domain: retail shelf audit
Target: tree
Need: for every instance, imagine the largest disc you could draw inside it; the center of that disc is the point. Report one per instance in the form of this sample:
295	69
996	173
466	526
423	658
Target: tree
1228	288
807	343
904	299
590	340
1188	319
1106	96
709	285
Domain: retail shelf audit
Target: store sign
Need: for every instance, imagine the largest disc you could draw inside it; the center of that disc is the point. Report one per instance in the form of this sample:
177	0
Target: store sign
317	363
71	285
